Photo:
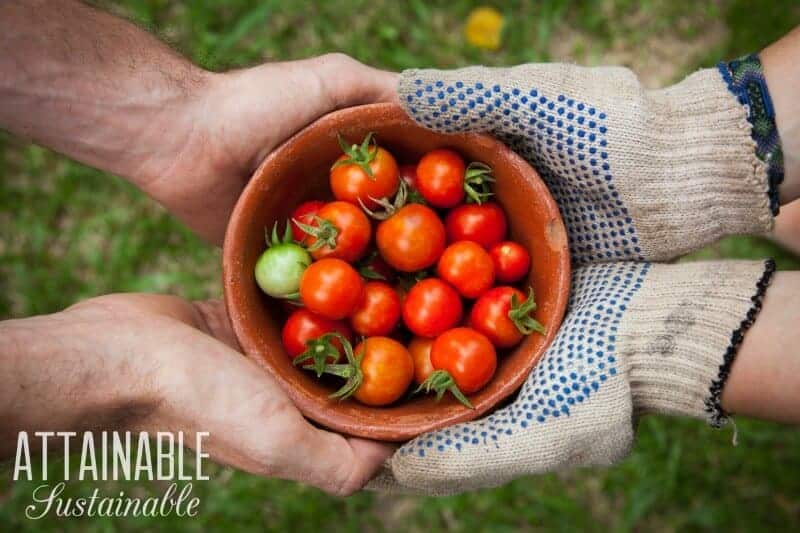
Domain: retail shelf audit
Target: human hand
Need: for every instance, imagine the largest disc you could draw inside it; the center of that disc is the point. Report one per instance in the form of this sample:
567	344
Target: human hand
638	337
236	118
159	363
638	174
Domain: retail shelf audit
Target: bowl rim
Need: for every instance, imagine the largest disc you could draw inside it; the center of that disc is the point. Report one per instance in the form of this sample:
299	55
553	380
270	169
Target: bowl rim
307	405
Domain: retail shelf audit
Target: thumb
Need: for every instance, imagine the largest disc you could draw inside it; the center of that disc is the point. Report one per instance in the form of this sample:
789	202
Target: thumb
340	465
346	82
467	99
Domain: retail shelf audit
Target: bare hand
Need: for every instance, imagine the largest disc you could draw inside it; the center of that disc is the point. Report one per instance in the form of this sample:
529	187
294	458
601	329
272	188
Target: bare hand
160	363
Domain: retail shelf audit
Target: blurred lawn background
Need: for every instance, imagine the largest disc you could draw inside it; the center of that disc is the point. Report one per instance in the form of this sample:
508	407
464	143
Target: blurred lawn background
68	232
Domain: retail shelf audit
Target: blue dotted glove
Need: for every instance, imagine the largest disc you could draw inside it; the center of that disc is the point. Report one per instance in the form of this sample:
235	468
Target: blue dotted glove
638	176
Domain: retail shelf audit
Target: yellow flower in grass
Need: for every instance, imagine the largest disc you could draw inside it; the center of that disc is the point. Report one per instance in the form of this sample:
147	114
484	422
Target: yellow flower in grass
484	28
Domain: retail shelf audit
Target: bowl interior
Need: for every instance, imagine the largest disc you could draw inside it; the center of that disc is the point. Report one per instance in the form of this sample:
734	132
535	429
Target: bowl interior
298	171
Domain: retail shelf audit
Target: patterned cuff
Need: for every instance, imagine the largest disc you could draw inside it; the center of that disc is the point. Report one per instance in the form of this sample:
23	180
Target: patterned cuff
745	79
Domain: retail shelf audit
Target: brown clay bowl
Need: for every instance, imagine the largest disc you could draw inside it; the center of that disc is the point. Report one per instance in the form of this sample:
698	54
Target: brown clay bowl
298	171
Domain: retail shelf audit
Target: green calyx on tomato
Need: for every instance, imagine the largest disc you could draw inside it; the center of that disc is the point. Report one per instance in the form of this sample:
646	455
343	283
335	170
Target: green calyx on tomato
280	267
361	155
440	381
388	208
325	232
319	351
478	181
351	370
520	314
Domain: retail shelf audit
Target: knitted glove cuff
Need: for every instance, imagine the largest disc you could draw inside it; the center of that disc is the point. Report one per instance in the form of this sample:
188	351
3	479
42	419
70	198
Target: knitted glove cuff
745	79
682	331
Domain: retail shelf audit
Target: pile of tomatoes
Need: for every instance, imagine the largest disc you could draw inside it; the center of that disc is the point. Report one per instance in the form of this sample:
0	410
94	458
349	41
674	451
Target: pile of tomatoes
400	284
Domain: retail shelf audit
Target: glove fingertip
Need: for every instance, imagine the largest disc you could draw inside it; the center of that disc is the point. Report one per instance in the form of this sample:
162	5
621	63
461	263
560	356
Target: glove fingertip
438	101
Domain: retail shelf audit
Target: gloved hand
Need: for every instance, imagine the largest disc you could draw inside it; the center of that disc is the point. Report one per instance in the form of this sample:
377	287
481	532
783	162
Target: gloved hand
638	175
638	338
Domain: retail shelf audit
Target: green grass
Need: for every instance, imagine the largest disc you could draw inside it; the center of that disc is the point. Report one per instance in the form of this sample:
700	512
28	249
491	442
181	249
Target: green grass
69	232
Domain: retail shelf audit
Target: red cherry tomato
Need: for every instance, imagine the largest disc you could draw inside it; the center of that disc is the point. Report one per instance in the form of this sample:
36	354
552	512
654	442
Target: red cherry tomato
411	239
303	326
420	350
304	213
378	311
467	356
431	307
387	368
408	173
331	288
485	224
342	231
511	261
350	182
467	267
440	178
491	315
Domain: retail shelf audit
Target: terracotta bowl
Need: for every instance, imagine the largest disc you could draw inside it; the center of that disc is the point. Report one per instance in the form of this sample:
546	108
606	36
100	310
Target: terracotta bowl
298	171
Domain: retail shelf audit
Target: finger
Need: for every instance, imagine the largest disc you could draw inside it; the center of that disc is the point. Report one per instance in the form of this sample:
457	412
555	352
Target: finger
340	466
347	82
214	320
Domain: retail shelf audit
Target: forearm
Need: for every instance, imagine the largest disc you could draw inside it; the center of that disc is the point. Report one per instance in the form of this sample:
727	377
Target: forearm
53	377
765	377
94	87
781	62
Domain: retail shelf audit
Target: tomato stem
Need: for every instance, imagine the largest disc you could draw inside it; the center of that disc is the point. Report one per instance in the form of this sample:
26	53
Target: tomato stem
520	314
273	239
389	207
440	381
325	232
319	351
361	155
477	182
351	370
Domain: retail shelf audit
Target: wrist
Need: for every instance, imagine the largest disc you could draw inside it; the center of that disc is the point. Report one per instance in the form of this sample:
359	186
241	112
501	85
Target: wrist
65	372
782	75
682	332
174	136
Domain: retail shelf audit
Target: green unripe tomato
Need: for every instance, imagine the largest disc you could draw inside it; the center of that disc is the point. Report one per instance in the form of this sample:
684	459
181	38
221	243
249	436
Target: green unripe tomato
279	269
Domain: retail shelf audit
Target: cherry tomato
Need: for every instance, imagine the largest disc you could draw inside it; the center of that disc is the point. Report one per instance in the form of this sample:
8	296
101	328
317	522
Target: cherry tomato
431	307
304	213
485	224
331	288
387	370
341	231
378	311
504	323
511	261
303	326
440	178
467	356
408	173
279	269
351	182
411	239
420	350
467	267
